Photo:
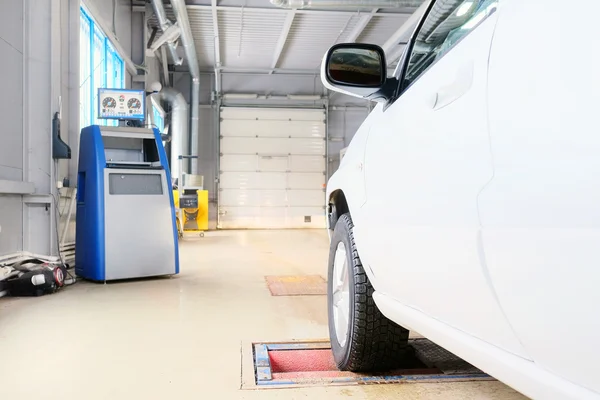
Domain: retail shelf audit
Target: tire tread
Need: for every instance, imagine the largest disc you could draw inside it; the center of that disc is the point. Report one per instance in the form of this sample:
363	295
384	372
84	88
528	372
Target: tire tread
376	343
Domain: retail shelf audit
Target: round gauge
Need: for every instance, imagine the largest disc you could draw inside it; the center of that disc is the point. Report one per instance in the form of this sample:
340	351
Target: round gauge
109	102
134	103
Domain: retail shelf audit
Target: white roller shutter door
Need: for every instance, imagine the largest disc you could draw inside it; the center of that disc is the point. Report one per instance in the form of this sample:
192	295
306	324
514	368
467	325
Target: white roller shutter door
272	171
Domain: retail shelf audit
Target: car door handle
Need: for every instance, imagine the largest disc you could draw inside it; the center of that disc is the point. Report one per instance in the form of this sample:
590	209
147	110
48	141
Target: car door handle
461	83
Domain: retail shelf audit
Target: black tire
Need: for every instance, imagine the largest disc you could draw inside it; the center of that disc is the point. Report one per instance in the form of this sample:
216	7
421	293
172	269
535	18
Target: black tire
373	342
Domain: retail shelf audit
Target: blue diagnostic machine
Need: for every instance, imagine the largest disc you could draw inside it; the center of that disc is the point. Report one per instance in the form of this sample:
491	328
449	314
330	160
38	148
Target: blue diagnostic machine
125	212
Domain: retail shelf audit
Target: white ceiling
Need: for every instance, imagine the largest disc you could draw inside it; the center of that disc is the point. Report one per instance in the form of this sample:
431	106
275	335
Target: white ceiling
253	35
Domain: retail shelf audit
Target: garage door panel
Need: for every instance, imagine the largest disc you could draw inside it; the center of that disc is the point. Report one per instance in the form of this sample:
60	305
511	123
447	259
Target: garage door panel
254	198
272	168
252	163
312	180
253	180
253	217
272	114
272	146
312	198
253	145
238	162
307	146
272	163
300	163
297	217
281	129
272	217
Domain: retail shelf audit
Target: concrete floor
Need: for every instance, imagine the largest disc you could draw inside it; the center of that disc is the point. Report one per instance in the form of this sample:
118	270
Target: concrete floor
181	337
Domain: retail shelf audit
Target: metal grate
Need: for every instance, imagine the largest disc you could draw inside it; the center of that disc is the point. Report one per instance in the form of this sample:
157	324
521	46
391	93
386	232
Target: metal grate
278	365
435	356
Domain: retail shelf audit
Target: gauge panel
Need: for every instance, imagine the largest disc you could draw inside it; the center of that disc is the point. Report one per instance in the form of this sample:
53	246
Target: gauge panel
109	102
121	104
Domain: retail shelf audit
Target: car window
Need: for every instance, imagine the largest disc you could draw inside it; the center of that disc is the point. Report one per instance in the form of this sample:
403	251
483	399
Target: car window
445	25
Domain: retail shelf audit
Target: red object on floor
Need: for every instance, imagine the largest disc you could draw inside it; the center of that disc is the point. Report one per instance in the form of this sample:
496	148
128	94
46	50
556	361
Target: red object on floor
301	285
302	360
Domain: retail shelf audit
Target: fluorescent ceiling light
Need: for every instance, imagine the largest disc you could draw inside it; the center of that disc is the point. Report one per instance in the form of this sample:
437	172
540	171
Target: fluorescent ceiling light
240	96
473	22
464	8
307	97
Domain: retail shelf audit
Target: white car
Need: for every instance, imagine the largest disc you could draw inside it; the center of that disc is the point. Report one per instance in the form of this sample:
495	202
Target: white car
467	207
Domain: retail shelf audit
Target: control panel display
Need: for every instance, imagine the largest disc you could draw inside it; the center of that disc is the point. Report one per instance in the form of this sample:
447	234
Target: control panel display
121	104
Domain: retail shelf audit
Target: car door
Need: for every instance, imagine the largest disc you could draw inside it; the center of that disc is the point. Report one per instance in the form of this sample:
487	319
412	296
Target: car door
426	161
541	212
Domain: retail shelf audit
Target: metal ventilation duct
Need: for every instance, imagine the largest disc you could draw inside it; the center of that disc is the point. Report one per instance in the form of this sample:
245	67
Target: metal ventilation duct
187	40
165	25
179	124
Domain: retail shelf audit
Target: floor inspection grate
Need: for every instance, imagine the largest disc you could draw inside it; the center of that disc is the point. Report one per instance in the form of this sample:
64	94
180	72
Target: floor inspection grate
311	364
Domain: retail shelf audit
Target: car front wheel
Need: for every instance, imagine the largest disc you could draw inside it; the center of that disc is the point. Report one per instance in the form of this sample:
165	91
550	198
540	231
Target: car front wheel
362	339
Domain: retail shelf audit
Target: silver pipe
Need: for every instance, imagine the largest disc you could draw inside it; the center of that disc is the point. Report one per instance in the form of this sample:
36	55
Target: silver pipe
187	40
165	24
179	125
301	4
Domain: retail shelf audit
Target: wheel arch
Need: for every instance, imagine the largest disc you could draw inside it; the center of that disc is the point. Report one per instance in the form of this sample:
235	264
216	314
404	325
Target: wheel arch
340	202
336	207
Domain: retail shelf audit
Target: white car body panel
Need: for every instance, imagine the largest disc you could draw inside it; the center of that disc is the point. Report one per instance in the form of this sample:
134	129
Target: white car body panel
438	160
476	200
521	374
541	212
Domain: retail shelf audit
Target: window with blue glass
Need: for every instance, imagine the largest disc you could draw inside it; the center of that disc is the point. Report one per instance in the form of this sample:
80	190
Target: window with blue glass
100	66
159	121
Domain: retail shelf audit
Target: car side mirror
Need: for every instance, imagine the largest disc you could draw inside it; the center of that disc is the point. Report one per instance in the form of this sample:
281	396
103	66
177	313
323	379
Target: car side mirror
358	70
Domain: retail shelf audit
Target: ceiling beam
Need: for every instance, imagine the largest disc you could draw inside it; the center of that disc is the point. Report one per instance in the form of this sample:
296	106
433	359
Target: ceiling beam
241	70
271	70
391	48
360	26
287	25
265	10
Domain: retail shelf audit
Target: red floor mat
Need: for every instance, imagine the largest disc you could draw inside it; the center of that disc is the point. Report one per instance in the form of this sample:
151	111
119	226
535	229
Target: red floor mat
301	285
301	360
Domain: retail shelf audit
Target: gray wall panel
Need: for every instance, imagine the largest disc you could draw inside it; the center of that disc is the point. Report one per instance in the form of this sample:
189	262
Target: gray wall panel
11	132
10	173
38	237
11	23
276	84
183	82
207	149
11	224
122	18
11	104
